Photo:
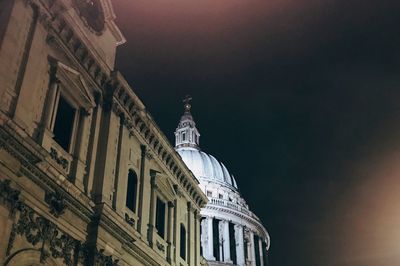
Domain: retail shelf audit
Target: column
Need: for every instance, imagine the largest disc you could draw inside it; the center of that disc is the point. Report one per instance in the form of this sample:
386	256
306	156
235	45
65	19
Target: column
141	187
150	229
261	251
252	249
50	108
175	254
49	115
210	242
226	242
241	260
170	232
189	235
197	240
221	241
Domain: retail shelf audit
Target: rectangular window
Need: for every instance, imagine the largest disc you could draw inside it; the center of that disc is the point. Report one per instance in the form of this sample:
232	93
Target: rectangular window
202	221
232	242
265	254
183	136
257	250
5	14
160	217
131	191
216	240
183	242
209	194
220	196
64	123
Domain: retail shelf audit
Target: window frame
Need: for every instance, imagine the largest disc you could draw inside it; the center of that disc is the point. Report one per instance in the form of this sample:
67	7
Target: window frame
68	83
183	247
164	226
61	93
135	198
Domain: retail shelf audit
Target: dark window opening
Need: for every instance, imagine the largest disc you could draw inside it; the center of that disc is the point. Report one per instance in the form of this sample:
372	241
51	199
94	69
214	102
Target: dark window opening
5	14
220	196
209	194
182	250
216	248
265	254
183	136
257	250
202	221
64	123
232	242
131	191
160	217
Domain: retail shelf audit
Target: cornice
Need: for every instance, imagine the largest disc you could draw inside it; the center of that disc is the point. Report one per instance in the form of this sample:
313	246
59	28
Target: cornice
251	220
29	158
136	119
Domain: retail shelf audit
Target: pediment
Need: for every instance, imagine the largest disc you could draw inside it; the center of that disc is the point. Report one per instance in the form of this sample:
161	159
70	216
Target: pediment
165	187
74	82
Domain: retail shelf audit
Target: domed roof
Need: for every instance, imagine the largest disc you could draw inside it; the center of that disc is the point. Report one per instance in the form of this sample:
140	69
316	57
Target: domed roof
206	166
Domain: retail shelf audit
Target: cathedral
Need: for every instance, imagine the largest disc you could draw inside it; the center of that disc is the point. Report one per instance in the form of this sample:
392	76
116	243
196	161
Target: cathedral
86	175
231	234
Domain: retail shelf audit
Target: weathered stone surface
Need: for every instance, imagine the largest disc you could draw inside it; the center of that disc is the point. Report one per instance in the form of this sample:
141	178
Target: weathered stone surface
64	196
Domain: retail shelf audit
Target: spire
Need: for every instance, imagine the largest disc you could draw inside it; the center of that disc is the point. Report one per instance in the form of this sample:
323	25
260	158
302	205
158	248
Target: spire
186	134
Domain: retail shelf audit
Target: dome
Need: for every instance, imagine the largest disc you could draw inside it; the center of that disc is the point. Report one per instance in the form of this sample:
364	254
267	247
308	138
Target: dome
206	166
231	234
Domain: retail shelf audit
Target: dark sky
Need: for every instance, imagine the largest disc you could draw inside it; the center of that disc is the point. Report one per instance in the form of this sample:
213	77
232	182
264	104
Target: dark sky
301	101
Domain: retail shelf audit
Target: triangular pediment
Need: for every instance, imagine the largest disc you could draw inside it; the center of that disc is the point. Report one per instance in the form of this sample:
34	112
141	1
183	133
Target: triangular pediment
165	186
73	79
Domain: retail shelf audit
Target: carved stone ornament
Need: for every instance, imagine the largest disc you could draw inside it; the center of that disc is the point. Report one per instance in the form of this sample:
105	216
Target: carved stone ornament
59	159
92	14
101	259
160	246
38	230
9	196
42	233
56	203
129	220
149	156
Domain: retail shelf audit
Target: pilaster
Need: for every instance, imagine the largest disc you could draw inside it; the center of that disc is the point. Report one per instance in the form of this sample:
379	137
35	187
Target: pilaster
141	187
260	248
170	247
210	242
151	228
189	247
226	242
241	260
252	248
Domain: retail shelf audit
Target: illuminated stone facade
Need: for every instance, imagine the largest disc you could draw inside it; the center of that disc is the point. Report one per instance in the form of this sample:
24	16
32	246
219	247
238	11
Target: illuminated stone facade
231	233
86	176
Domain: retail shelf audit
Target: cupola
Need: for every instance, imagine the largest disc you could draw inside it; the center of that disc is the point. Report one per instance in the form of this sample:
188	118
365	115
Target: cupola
186	134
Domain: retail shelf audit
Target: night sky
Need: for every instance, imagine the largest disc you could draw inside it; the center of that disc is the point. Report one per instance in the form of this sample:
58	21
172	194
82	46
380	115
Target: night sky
300	99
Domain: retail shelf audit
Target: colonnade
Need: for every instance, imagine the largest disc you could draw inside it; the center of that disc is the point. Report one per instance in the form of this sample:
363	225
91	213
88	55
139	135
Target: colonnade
248	246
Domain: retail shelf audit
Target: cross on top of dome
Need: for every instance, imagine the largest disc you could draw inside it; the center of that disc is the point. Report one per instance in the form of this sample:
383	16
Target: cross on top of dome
187	105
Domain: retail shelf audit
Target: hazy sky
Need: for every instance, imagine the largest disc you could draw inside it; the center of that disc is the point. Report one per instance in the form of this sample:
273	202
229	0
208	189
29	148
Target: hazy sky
299	99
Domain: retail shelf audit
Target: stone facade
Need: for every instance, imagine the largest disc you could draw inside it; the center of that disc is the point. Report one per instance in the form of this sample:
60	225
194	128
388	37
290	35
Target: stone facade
86	176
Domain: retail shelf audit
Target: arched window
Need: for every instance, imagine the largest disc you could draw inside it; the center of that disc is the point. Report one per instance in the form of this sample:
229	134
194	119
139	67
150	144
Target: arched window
183	242
131	191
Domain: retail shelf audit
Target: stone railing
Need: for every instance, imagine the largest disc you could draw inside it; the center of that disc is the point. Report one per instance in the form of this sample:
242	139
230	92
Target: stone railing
231	205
